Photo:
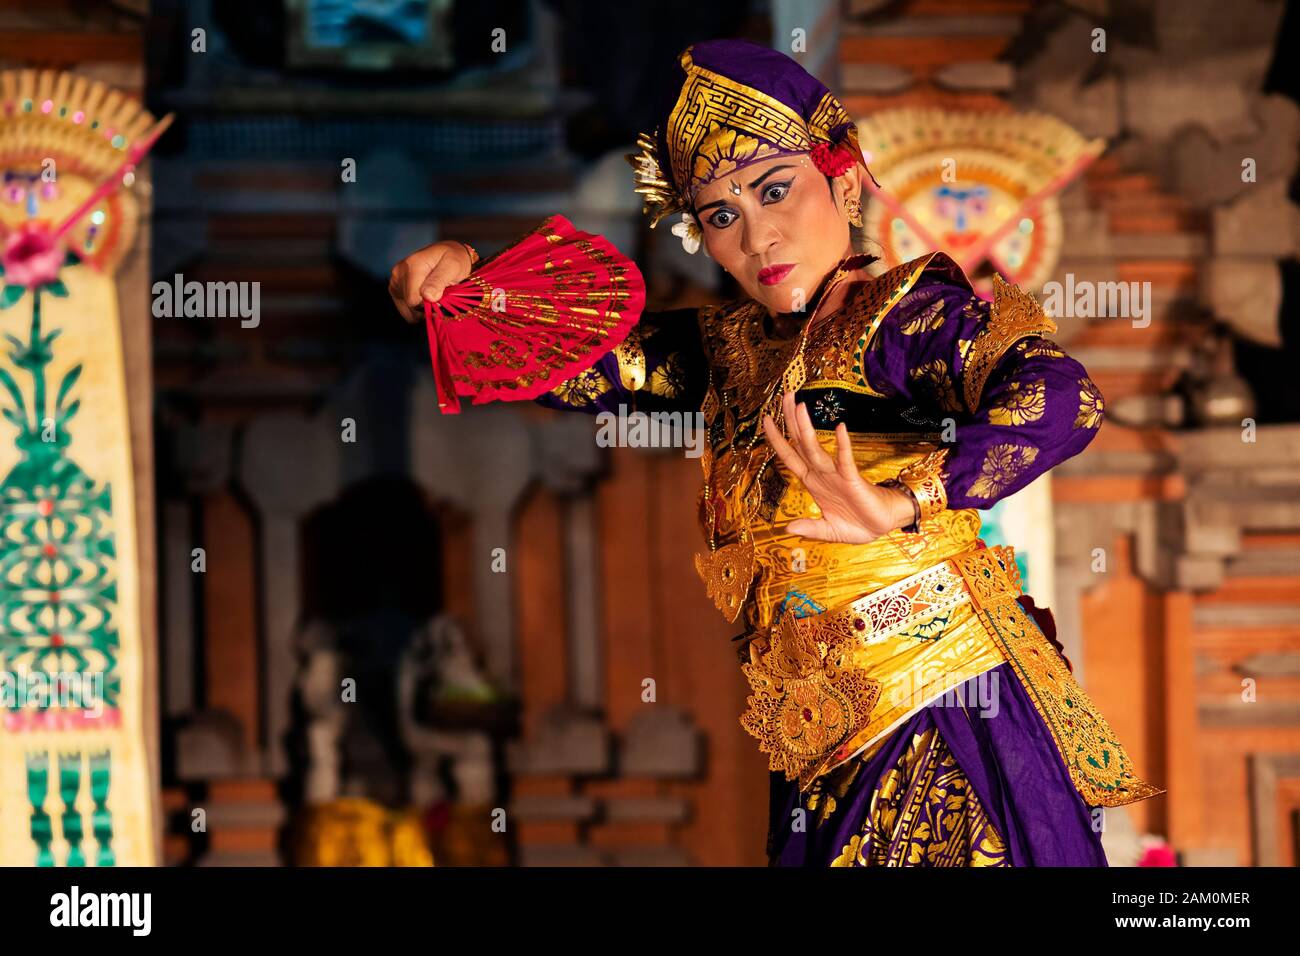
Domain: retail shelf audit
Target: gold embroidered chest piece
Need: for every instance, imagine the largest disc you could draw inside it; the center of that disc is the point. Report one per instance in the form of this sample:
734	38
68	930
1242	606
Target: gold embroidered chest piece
744	359
749	370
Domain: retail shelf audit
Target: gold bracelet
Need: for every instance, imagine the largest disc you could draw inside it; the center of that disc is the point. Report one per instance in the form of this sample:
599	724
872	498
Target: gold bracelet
915	526
924	481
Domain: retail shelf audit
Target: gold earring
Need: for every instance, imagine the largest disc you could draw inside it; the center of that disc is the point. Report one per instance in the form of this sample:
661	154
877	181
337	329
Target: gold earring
854	210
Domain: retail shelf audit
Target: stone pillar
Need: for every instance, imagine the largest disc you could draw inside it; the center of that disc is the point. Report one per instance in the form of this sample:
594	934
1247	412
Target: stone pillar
201	461
482	461
285	488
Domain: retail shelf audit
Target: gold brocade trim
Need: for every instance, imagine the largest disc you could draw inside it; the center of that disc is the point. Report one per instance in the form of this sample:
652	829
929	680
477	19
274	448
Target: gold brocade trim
923	479
745	360
915	668
1099	766
828	573
863	389
891	610
991	575
947	646
1015	315
911	272
728	576
837	348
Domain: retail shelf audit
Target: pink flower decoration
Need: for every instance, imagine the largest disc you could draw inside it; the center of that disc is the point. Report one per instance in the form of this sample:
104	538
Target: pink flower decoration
1159	854
831	160
31	256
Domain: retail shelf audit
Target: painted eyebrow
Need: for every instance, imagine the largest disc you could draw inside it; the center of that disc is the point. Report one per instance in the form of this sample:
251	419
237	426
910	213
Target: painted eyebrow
775	169
754	185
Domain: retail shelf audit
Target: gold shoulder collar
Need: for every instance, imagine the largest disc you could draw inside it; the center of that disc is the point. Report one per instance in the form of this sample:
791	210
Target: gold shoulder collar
1015	315
737	346
837	348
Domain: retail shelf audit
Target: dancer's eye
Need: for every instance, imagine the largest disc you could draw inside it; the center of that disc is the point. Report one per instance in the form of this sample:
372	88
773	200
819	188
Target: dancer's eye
775	192
722	218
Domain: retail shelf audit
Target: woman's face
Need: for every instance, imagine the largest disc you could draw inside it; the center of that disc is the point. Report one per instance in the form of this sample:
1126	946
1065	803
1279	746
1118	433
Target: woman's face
777	227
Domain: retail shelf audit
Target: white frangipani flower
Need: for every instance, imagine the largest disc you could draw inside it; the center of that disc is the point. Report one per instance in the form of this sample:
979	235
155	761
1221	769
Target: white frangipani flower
688	230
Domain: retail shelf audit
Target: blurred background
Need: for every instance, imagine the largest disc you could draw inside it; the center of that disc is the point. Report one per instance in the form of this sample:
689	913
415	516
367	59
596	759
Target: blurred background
531	672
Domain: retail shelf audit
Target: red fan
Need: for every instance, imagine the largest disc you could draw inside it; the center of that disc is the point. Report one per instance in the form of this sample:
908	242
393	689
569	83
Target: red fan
538	313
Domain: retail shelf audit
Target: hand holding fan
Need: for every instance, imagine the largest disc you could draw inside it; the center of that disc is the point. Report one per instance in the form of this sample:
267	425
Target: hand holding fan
531	317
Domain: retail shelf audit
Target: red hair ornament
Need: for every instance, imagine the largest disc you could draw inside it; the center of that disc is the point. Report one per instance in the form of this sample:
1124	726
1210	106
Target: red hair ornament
837	157
831	159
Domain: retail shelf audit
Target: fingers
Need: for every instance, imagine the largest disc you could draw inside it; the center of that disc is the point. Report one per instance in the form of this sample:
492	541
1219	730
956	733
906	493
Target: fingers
847	467
784	450
805	453
805	435
409	275
446	272
397	291
426	274
815	453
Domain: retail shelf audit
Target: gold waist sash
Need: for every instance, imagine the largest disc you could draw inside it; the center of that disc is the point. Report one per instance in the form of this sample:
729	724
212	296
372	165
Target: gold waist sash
825	574
827	686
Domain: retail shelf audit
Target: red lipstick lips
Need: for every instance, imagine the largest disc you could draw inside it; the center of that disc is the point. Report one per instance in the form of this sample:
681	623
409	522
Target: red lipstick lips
771	275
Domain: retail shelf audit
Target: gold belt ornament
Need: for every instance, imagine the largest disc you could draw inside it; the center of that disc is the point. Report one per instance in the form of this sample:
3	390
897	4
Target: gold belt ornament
808	698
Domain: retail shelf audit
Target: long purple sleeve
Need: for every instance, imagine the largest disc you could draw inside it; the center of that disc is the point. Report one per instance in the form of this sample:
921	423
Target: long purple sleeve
1035	407
659	367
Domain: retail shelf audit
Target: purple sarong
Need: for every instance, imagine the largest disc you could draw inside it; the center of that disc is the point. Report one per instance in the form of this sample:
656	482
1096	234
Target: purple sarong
930	793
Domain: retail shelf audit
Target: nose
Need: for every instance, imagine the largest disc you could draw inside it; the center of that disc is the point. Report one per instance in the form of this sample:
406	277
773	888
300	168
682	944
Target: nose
758	234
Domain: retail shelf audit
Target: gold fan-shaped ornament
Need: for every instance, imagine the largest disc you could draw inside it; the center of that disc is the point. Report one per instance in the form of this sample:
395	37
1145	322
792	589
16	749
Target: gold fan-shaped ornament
657	193
976	185
68	142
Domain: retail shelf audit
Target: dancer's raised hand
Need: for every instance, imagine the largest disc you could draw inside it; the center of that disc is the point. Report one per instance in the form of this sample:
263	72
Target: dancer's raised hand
853	510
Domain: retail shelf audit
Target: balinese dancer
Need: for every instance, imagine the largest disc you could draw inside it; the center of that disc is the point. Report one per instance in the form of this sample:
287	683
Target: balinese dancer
913	710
